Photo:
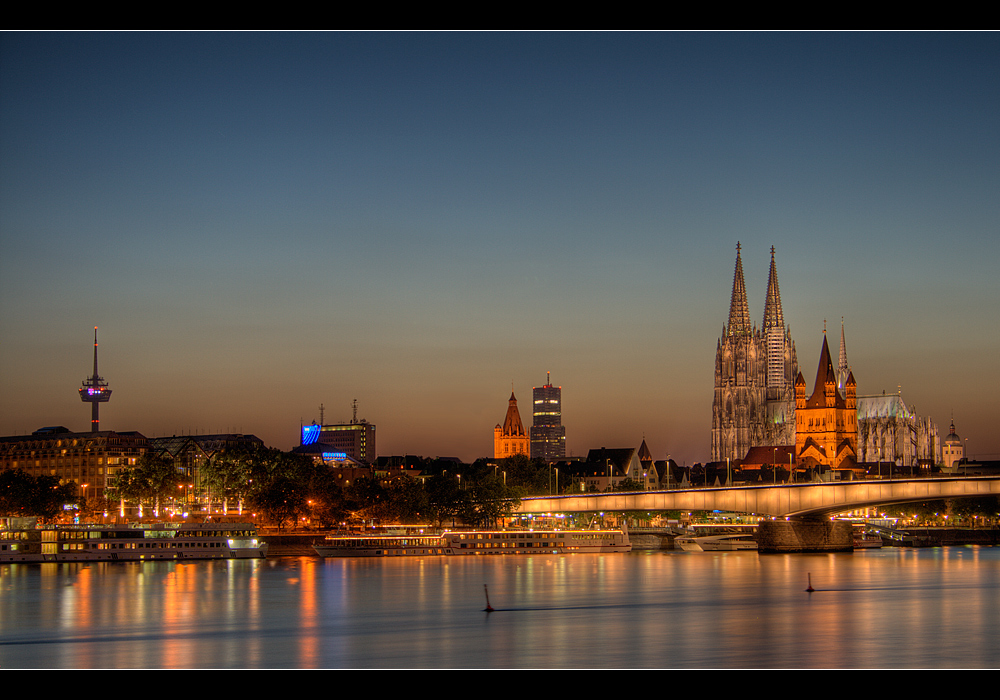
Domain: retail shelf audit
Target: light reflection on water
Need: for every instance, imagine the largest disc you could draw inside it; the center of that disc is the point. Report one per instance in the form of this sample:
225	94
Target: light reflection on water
877	608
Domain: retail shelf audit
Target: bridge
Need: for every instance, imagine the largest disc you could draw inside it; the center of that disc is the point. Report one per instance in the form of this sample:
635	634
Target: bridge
804	505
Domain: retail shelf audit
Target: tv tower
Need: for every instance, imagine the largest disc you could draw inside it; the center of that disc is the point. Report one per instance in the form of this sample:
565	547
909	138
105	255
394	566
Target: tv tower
95	391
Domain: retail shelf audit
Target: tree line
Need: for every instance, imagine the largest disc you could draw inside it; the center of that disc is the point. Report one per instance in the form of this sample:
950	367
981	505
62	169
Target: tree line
284	488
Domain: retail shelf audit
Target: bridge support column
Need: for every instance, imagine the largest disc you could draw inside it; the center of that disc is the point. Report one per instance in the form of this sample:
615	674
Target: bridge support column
782	536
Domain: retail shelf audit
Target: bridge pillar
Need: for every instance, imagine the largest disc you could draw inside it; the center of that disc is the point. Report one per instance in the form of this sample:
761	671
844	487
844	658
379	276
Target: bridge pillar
782	536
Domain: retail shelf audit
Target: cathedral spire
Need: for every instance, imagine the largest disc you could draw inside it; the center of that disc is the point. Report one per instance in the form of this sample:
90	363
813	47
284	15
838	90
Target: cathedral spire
842	368
773	318
739	310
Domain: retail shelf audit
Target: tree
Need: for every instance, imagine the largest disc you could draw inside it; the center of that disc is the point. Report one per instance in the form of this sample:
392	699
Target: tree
279	499
628	484
490	500
447	501
24	495
152	478
227	475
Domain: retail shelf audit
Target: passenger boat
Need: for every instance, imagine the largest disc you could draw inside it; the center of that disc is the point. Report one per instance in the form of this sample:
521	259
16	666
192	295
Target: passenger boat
133	542
477	542
717	543
867	540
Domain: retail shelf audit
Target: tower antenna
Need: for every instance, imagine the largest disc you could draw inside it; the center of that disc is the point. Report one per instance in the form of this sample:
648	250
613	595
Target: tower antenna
95	391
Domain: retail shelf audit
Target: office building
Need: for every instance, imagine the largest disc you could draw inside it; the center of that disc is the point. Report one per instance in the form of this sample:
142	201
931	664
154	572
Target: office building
548	434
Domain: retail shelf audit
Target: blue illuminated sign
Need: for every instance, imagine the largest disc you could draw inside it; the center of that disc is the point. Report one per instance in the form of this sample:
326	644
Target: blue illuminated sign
310	433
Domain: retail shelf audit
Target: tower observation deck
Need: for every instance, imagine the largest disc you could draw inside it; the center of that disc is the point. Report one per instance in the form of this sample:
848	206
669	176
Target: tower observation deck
95	391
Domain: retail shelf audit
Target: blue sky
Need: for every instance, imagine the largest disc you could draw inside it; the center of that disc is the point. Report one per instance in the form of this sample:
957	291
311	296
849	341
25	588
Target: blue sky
260	223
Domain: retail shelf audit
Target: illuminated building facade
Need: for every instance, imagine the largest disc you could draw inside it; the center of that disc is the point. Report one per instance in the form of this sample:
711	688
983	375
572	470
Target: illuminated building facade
888	429
953	449
354	440
754	401
826	429
89	460
95	391
891	431
511	438
548	434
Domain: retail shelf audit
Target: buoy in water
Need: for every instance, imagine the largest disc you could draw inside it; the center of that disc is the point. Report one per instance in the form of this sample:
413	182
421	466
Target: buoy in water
489	608
808	590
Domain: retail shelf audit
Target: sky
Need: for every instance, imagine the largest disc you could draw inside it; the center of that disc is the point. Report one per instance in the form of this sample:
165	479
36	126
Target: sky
261	223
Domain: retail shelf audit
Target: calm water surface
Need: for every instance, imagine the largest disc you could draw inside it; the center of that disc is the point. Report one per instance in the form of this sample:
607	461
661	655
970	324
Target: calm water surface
878	608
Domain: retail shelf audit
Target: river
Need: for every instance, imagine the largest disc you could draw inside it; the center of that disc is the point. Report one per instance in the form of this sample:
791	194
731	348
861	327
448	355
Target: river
888	608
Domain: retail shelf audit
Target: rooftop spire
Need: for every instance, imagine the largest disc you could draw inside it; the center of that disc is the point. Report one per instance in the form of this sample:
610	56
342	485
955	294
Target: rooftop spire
773	318
842	368
739	310
824	375
512	422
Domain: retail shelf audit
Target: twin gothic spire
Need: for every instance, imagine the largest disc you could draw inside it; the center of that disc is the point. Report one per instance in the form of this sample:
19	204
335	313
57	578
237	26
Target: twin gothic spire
739	308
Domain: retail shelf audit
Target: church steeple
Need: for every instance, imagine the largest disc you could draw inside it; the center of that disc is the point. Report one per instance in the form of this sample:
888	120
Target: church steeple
512	424
773	318
842	368
739	309
511	438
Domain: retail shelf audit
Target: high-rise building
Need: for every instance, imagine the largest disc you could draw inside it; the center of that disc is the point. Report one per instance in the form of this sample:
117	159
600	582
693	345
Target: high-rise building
755	370
511	438
548	434
355	439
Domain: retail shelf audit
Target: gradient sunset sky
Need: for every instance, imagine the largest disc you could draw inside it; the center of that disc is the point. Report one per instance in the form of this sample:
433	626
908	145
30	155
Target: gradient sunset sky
260	223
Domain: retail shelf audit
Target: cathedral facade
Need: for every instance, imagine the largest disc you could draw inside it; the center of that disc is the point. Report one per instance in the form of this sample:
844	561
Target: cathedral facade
755	372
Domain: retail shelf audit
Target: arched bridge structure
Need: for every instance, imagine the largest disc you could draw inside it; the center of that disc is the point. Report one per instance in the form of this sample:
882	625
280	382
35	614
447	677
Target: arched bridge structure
796	501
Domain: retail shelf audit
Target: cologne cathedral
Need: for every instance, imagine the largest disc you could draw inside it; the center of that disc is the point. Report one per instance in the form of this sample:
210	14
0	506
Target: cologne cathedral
755	372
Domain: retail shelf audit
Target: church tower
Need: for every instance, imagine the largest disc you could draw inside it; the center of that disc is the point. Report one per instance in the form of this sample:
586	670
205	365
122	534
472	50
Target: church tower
740	379
842	367
826	428
511	438
755	373
782	368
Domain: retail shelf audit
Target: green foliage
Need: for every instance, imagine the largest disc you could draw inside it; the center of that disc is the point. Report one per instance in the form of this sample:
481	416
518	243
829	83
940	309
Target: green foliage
490	500
529	476
628	484
446	499
153	479
983	507
227	474
24	495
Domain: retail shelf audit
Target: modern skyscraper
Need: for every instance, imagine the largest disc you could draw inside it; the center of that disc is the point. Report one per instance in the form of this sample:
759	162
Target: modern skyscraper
511	438
755	371
95	391
548	434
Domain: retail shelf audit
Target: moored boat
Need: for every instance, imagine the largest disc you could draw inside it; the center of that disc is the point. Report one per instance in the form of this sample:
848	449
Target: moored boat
479	542
132	542
717	543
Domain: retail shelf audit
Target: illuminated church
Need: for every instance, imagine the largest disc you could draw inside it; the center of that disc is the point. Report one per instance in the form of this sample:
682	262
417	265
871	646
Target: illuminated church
826	422
755	371
511	438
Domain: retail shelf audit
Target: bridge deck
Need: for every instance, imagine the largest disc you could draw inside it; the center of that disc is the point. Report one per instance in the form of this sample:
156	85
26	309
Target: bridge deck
782	500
